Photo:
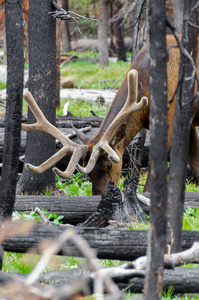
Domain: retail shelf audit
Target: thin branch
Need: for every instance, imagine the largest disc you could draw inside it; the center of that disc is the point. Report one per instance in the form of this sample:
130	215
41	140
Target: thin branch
67	15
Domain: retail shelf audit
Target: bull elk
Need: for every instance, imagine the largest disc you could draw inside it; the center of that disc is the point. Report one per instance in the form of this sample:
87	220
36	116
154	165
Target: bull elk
102	154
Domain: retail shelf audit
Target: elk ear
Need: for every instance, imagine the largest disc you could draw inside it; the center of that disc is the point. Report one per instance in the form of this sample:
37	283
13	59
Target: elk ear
119	135
81	136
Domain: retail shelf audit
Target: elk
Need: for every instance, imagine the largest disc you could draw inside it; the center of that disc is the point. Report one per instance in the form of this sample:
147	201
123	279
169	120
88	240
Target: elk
81	151
128	114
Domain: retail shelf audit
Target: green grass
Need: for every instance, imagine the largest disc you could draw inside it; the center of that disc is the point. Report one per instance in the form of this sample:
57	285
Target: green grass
25	263
83	108
2	85
191	219
86	74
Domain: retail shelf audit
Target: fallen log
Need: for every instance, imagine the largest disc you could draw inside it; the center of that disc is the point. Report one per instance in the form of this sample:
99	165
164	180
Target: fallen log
74	209
109	244
178	280
77	209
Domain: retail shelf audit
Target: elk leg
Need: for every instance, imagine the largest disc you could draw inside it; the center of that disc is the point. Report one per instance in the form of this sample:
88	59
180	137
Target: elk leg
194	152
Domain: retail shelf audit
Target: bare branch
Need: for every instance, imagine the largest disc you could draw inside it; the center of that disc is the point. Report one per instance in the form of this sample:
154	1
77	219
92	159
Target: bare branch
68	15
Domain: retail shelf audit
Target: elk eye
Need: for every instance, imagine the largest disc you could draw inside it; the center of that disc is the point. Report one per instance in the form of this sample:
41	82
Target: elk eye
109	166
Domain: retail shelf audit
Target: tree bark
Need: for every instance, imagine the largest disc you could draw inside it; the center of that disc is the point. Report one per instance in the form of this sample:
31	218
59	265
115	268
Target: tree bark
180	279
77	209
109	243
181	130
102	33
158	150
42	85
58	49
15	67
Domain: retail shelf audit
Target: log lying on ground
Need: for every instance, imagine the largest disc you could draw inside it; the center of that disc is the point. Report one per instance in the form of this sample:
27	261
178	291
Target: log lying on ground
77	209
109	244
179	280
74	209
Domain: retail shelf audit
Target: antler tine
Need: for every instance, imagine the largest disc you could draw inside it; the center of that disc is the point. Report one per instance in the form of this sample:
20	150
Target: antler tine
69	146
131	105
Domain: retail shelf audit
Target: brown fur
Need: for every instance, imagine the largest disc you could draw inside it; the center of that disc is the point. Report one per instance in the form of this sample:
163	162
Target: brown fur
104	169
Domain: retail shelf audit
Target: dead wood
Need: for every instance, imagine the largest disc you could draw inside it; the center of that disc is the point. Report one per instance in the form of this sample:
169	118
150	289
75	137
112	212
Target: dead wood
179	280
118	207
109	244
77	209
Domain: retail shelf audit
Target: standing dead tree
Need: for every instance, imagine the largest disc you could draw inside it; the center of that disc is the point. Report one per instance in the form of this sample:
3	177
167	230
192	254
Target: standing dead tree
42	84
15	66
185	102
158	151
102	33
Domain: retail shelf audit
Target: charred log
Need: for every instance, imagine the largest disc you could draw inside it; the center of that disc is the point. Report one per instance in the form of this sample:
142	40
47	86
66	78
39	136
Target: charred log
181	280
77	209
109	244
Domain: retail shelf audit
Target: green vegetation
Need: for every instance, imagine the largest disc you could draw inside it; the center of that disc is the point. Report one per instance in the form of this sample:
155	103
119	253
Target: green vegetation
33	216
88	74
83	108
76	185
2	86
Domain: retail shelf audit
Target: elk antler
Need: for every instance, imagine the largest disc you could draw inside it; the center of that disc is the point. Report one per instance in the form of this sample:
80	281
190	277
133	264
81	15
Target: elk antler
128	109
43	124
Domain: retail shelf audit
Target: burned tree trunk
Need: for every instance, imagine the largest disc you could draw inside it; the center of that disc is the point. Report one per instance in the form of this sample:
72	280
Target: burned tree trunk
181	129
158	150
121	208
15	66
42	85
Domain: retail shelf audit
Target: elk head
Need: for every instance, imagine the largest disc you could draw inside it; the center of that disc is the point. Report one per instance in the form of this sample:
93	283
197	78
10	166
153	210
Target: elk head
102	158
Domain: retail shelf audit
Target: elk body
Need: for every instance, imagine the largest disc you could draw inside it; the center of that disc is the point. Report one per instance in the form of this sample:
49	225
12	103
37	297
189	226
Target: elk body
128	114
105	170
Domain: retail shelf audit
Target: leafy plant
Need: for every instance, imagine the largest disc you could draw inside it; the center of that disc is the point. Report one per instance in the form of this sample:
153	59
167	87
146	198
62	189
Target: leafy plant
77	185
190	219
33	216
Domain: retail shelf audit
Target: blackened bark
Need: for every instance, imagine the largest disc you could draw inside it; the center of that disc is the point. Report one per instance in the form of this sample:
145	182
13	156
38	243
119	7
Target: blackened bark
42	85
102	33
158	150
58	49
108	243
116	207
76	209
15	67
181	129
